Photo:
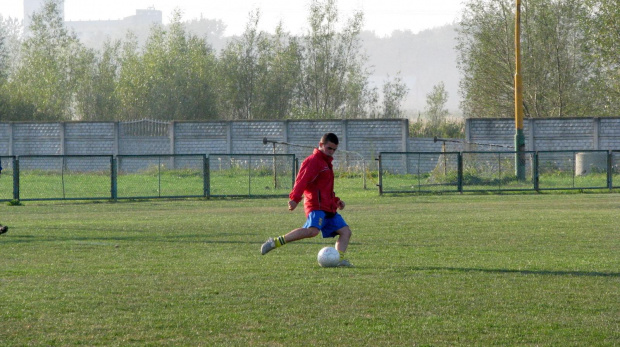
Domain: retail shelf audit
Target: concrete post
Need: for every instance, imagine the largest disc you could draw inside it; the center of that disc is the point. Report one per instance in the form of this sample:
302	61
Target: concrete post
596	126
63	127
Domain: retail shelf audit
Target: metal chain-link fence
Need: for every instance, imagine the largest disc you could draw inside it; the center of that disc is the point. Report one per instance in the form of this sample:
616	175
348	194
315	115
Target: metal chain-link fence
408	172
145	176
251	174
261	175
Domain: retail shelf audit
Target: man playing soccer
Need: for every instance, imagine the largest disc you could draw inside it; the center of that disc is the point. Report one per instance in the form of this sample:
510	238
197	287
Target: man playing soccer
315	182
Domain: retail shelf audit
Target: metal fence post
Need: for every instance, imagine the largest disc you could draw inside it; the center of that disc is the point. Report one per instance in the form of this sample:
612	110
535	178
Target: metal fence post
206	176
459	161
16	178
250	176
113	178
535	174
293	171
296	166
610	167
380	185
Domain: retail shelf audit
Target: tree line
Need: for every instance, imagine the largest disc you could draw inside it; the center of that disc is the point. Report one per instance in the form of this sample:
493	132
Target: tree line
49	75
570	68
570	58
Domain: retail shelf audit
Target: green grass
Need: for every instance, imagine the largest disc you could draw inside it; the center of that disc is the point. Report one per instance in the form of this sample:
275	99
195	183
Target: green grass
523	269
476	182
40	185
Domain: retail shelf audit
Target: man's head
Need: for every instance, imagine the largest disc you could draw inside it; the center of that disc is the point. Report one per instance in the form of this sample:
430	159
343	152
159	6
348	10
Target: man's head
328	144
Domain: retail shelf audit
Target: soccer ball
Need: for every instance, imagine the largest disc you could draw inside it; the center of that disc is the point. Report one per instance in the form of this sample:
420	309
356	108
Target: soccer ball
328	257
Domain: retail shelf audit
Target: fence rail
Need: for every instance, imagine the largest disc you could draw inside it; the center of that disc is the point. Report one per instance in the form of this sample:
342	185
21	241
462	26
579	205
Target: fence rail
427	172
103	177
233	175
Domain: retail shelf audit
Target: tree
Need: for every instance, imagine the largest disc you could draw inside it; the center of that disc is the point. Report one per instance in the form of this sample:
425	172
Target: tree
602	25
131	89
212	30
4	53
556	75
240	68
4	63
259	73
51	68
436	100
10	41
277	85
485	45
334	81
394	92
179	67
172	78
557	78
100	101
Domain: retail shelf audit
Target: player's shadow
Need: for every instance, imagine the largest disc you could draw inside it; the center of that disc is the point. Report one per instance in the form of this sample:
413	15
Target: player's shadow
523	272
184	238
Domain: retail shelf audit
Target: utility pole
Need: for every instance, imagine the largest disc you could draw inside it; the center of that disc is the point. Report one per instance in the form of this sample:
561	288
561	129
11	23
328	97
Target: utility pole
519	136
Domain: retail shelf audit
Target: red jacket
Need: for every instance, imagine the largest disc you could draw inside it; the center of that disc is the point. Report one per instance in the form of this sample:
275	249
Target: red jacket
315	182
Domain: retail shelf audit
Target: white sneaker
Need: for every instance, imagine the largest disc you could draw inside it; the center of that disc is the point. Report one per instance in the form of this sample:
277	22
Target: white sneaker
345	263
268	246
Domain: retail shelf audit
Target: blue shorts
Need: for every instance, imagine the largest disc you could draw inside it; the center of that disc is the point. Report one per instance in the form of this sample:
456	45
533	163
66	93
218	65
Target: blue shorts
328	226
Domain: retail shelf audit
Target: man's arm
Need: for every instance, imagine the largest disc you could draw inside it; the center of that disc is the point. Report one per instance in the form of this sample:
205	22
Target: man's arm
292	204
341	204
307	173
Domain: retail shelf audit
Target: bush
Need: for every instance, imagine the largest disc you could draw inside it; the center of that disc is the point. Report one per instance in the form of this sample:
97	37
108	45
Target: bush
447	128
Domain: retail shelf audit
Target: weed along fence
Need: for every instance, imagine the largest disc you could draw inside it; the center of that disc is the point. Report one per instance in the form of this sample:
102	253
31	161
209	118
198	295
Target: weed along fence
103	177
427	172
107	177
237	175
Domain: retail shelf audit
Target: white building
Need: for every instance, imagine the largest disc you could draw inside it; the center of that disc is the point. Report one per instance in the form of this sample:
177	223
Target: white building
95	32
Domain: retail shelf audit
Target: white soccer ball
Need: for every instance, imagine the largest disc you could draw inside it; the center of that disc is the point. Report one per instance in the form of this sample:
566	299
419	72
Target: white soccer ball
328	257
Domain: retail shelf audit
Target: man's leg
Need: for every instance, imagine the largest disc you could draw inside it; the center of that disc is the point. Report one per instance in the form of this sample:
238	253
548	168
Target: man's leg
342	243
301	233
343	239
293	235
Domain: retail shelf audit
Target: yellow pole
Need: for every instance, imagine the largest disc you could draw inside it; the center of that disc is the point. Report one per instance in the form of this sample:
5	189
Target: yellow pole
519	136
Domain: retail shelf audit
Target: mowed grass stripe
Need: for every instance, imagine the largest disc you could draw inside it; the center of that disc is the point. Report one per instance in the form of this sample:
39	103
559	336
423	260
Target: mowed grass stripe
429	270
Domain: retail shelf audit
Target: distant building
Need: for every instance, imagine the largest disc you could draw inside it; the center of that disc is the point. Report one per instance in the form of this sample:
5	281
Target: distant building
95	32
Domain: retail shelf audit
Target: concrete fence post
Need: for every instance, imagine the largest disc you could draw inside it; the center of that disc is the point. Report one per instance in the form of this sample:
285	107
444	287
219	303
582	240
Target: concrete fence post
596	126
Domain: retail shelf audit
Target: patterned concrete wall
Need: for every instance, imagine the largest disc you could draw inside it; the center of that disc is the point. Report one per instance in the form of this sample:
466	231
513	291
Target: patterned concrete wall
37	138
200	138
554	134
609	133
247	137
492	131
359	139
89	138
364	137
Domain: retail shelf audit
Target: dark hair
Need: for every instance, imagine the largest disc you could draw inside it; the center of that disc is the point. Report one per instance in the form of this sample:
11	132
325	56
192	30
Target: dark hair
330	137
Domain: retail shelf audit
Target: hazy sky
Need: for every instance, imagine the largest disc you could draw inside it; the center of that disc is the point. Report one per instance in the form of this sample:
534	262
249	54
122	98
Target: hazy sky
381	16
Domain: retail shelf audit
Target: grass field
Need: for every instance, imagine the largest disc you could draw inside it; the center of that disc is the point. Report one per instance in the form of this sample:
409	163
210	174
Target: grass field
527	270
